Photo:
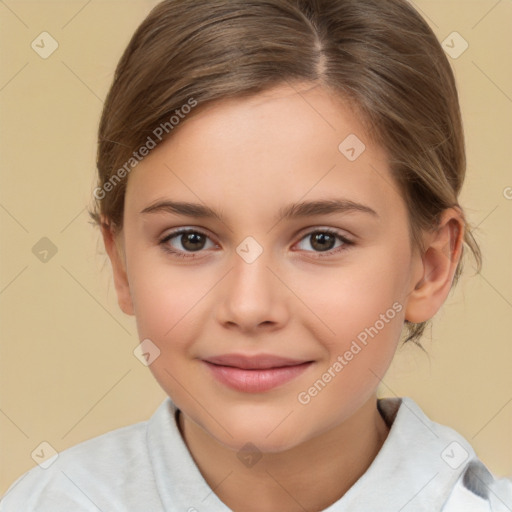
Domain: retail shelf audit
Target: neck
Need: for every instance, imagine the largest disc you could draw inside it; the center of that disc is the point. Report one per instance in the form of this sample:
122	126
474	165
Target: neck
310	476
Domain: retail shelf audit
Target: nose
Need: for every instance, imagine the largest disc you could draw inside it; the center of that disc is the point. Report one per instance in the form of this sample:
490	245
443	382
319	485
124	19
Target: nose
252	297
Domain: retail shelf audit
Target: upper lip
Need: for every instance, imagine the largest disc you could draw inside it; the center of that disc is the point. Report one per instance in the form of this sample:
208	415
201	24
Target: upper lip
253	362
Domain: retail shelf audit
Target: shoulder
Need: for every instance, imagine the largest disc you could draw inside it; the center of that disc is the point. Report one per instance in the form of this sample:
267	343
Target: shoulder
89	476
479	490
461	479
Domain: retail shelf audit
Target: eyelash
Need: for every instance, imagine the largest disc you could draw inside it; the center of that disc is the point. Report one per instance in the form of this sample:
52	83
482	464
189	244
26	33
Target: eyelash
347	244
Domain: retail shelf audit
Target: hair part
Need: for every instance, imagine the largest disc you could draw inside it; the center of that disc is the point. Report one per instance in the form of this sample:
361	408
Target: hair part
380	55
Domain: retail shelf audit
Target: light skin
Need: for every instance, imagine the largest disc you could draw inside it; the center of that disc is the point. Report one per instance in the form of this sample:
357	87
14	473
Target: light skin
246	159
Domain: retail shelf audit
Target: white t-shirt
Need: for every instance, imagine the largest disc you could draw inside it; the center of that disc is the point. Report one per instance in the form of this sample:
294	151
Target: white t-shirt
146	467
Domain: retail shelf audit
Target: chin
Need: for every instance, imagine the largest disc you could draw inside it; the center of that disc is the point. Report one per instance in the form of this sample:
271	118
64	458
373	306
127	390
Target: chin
248	440
268	435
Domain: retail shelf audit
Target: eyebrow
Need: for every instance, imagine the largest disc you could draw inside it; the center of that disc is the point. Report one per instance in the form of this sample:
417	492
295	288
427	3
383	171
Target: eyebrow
291	211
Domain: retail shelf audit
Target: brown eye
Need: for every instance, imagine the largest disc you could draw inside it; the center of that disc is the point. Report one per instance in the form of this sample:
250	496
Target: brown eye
193	241
185	241
324	241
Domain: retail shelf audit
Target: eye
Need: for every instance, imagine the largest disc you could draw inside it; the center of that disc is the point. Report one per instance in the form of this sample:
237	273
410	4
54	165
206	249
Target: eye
183	243
324	241
190	240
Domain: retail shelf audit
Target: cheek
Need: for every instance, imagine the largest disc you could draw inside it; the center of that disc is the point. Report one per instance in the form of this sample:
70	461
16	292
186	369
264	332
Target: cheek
362	307
167	304
164	299
367	323
359	298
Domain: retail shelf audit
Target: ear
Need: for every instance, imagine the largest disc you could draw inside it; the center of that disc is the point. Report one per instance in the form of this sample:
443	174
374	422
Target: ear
441	255
115	249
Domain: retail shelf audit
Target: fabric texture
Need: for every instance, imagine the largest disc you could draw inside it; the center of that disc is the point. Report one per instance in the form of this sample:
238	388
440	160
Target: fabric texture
146	467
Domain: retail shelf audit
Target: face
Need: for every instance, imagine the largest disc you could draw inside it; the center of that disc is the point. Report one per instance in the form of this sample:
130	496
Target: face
322	290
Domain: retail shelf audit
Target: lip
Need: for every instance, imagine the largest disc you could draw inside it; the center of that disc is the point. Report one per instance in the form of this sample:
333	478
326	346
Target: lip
255	374
254	362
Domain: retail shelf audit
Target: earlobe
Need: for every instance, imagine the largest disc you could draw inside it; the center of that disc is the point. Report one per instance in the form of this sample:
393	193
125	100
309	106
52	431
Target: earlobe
439	262
114	249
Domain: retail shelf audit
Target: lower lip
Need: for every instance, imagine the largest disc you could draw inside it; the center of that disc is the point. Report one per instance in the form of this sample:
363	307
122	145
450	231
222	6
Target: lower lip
256	381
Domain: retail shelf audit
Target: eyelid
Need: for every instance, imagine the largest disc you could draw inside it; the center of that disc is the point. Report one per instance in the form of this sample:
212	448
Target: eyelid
302	233
324	229
185	230
347	241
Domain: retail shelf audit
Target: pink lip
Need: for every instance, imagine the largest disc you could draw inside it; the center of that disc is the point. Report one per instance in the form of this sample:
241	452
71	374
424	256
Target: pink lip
254	374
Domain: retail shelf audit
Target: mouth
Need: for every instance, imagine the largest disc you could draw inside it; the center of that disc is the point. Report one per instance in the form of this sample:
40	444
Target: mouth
254	362
254	374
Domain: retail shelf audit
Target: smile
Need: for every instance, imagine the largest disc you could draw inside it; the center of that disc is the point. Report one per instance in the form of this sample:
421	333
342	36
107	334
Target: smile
256	380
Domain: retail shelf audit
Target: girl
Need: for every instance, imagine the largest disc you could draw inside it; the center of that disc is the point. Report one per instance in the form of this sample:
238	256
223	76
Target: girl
278	196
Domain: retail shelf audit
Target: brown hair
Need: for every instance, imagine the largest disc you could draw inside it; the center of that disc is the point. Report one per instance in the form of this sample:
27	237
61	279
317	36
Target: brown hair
379	54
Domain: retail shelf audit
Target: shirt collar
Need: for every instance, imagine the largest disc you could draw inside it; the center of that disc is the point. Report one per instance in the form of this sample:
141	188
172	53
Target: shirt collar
415	469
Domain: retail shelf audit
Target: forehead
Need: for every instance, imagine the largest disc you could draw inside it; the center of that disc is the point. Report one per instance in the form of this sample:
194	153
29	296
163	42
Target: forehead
257	153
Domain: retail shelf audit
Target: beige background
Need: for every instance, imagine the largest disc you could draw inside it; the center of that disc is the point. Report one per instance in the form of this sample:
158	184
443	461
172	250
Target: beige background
67	368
